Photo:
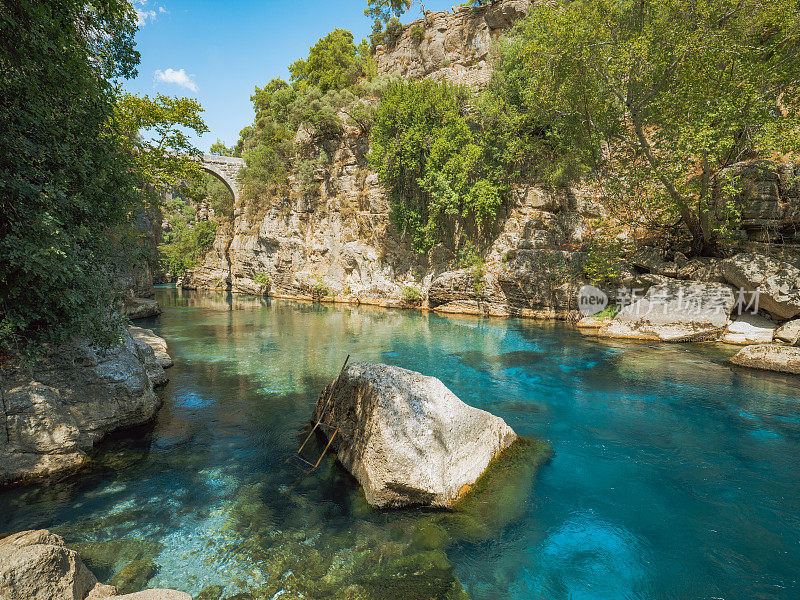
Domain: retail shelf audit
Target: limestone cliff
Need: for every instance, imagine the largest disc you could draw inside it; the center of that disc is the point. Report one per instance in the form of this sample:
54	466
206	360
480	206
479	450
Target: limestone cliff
338	241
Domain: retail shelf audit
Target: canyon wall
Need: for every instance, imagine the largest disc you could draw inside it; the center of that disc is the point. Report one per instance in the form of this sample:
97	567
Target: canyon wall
339	242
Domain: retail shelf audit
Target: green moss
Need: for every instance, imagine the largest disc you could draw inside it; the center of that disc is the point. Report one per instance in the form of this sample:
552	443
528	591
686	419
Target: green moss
212	592
127	564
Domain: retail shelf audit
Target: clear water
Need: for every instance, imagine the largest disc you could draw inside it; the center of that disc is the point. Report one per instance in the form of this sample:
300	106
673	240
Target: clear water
673	476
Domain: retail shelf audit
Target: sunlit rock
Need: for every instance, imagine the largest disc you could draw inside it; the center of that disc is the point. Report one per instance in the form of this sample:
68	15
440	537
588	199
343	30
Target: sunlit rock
407	438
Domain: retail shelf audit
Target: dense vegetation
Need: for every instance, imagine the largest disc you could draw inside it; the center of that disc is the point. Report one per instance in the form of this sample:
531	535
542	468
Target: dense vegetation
80	163
657	99
66	190
432	164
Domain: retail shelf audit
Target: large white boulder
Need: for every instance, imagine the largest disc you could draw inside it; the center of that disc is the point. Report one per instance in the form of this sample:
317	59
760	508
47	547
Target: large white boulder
748	328
771	357
407	438
71	399
674	311
777	282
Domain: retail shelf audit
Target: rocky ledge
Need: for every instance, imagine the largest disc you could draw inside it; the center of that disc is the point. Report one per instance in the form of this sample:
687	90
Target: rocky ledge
37	565
405	437
72	398
770	357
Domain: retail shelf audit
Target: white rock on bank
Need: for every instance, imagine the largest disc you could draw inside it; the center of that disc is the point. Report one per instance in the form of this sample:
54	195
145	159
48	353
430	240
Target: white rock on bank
777	282
407	438
789	332
37	565
674	311
770	357
70	400
749	329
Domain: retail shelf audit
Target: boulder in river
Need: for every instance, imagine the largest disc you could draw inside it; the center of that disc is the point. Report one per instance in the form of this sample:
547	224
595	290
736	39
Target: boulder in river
770	357
405	437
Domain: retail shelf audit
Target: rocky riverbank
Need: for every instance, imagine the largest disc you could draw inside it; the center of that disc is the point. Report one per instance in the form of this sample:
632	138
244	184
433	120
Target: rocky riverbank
38	565
56	411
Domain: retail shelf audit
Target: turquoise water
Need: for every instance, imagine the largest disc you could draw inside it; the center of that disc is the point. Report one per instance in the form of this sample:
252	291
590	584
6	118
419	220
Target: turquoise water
673	476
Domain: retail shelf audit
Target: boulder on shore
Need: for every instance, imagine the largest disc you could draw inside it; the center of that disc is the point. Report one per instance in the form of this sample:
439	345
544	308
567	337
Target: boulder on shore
69	400
140	308
674	311
405	437
37	565
749	329
777	282
770	357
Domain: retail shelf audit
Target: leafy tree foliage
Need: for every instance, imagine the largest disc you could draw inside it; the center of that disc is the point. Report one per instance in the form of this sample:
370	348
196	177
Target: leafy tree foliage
66	191
432	164
155	132
220	149
384	10
333	63
186	245
662	97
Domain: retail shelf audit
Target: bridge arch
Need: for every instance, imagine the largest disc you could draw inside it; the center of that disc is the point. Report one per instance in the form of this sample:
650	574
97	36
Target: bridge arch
225	168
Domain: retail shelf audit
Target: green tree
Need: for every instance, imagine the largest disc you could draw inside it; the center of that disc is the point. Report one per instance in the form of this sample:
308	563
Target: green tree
66	190
432	164
333	63
220	149
386	9
186	245
155	131
661	97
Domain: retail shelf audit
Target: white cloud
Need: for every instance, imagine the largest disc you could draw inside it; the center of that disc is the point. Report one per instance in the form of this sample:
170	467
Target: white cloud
179	77
143	15
146	14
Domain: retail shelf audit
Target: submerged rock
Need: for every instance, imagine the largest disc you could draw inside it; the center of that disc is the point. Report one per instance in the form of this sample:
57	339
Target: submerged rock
70	400
675	311
770	357
407	438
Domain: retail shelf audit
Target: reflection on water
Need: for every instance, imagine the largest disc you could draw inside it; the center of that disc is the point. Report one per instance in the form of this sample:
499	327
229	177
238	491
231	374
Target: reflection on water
674	476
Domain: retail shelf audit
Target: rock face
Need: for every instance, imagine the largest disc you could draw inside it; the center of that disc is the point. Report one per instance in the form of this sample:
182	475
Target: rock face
37	565
406	437
140	308
777	282
73	398
789	332
454	46
771	357
674	311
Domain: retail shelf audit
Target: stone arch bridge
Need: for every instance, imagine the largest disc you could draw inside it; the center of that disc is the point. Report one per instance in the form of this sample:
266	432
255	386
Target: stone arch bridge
225	168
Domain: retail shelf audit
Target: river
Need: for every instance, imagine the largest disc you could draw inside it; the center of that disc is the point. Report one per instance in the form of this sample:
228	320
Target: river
674	476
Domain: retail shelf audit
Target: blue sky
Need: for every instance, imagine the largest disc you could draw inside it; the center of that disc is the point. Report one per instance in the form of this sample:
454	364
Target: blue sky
218	52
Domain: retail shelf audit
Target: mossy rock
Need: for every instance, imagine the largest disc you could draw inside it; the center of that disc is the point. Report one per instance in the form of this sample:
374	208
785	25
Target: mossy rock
134	576
212	592
126	564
